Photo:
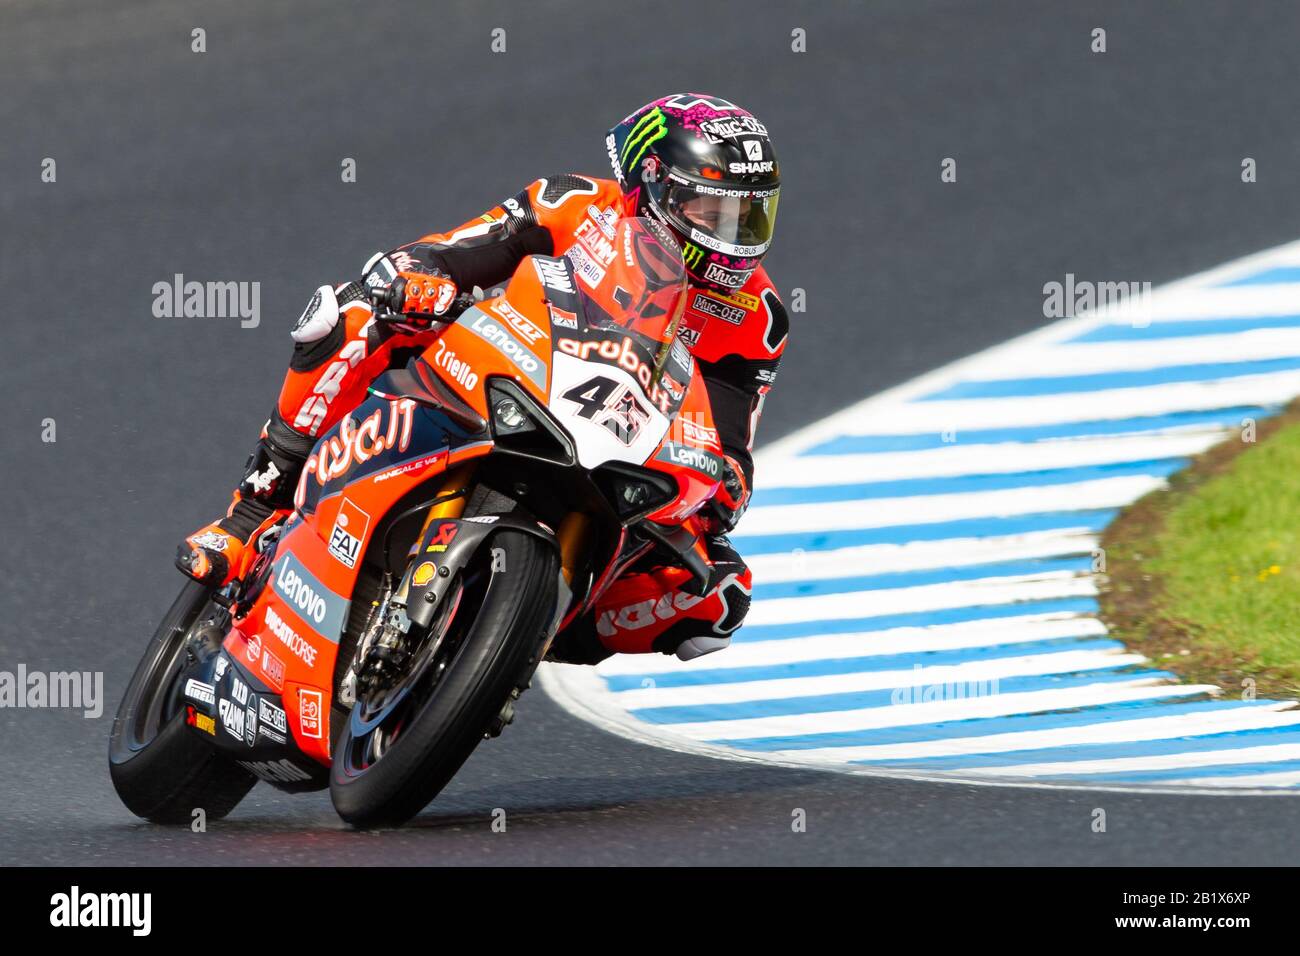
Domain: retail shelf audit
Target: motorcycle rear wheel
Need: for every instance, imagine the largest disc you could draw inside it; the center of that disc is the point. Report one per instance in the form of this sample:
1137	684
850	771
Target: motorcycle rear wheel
161	769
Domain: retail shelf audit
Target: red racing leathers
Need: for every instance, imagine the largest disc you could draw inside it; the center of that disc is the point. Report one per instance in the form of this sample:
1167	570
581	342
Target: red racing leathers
736	337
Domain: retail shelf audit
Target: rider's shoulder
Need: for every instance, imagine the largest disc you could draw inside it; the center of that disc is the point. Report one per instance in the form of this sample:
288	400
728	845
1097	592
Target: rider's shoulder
571	190
750	322
760	282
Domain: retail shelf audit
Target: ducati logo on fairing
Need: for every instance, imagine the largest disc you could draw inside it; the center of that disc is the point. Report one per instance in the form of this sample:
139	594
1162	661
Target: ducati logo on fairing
290	638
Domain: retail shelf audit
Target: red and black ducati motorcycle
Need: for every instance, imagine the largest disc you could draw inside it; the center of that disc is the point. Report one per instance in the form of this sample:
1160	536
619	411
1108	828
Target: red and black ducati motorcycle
445	531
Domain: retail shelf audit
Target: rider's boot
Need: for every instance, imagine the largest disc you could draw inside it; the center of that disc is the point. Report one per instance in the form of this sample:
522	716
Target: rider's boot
215	553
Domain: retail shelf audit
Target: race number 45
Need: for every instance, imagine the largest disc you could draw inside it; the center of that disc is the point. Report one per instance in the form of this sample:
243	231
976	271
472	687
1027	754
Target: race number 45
607	403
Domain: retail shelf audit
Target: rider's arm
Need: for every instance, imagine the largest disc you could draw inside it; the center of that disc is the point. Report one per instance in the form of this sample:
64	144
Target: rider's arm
486	250
738	385
482	252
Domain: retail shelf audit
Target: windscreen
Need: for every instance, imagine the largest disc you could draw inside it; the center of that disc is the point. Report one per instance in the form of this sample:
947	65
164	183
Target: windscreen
642	291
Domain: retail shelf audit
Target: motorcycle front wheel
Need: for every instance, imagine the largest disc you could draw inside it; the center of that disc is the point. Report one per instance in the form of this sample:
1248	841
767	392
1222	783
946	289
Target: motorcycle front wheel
458	686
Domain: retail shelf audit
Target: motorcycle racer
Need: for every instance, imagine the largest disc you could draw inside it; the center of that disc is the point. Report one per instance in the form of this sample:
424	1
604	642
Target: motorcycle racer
704	168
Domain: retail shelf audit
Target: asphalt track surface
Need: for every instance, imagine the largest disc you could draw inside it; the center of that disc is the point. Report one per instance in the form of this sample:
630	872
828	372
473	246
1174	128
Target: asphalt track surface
225	165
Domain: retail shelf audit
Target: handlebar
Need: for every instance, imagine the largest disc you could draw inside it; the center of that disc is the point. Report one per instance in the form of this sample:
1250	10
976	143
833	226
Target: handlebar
388	301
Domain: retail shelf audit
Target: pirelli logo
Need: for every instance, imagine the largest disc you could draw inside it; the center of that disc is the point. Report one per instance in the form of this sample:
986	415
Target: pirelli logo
742	300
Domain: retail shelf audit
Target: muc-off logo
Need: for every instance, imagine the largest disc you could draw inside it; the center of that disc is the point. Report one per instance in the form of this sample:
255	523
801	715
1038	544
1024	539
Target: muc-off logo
719	310
272	716
732	127
724	276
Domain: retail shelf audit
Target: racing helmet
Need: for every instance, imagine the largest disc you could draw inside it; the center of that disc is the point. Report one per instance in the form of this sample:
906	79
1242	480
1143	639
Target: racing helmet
705	168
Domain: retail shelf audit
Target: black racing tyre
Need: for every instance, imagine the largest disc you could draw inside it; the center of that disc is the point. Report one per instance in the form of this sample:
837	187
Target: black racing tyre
161	769
491	649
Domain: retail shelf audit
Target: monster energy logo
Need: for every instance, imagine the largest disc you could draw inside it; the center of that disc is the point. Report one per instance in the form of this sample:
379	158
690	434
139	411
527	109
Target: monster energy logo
692	254
648	129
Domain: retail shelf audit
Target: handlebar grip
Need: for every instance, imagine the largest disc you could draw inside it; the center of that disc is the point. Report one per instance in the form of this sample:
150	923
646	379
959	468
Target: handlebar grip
389	298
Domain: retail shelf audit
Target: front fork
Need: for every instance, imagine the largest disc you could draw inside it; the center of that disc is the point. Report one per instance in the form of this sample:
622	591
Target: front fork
455	488
386	630
423	587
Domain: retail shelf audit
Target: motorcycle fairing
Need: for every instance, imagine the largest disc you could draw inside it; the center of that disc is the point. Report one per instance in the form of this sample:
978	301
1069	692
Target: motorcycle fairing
303	608
245	719
383	437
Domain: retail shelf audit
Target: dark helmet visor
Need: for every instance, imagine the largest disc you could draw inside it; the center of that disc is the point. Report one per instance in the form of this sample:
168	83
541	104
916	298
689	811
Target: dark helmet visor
736	222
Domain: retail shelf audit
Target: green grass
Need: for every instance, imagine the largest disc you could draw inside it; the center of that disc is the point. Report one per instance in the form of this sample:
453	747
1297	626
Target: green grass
1229	556
1217	565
